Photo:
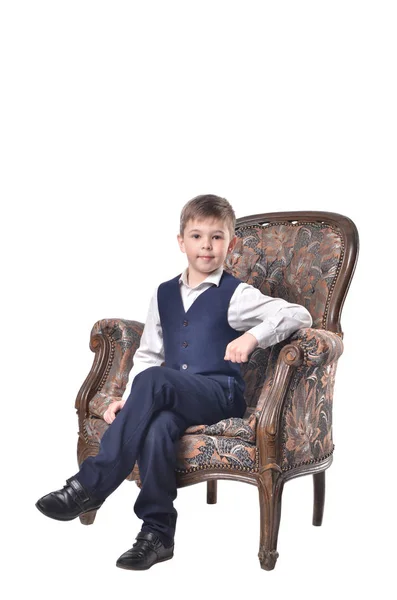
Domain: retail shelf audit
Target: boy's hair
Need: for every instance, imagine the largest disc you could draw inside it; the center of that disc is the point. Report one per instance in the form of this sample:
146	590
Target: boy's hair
208	206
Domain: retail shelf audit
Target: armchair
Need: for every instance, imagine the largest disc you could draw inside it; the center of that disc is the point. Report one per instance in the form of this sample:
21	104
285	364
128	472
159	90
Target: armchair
307	258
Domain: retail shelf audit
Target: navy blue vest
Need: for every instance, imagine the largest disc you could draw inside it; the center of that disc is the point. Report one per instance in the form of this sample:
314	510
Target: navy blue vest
195	341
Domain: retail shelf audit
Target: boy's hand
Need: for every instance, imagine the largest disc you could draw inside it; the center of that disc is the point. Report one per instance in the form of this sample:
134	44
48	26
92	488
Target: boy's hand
239	349
110	413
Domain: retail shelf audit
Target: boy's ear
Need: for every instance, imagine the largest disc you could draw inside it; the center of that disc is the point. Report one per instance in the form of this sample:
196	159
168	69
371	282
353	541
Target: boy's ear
232	243
180	242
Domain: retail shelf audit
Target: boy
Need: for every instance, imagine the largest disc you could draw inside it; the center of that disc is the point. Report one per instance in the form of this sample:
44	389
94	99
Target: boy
203	323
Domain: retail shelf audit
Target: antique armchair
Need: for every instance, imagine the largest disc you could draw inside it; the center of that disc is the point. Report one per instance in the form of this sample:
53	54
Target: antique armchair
304	257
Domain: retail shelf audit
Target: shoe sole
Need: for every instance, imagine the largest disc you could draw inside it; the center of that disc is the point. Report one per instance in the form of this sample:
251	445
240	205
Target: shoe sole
143	568
64	517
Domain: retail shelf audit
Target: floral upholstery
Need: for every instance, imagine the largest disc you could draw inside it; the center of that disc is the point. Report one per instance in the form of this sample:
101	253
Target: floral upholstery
198	450
124	338
306	258
295	261
307	416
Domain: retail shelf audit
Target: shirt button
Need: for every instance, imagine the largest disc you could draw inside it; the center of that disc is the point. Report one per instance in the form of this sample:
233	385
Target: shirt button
185	323
185	344
184	366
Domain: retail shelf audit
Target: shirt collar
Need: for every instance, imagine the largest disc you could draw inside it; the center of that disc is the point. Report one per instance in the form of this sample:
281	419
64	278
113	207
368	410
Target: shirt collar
212	278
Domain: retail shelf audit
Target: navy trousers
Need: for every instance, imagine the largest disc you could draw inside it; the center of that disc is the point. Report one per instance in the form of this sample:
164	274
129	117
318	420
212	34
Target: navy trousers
163	402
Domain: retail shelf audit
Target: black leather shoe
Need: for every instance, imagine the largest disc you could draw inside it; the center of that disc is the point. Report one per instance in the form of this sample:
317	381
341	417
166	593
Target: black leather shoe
68	503
147	550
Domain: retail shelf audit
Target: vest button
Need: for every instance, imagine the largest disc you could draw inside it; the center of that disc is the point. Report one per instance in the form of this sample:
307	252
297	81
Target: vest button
184	366
185	344
185	323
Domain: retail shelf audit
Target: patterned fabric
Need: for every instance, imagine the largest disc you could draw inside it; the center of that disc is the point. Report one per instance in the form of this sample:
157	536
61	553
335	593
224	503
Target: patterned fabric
300	263
206	451
235	427
319	347
307	417
124	338
196	451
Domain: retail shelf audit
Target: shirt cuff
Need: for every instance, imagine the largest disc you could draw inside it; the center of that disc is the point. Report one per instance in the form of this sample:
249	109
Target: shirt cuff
265	338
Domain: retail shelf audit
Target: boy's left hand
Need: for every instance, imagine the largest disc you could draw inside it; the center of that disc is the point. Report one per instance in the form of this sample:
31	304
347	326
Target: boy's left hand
239	349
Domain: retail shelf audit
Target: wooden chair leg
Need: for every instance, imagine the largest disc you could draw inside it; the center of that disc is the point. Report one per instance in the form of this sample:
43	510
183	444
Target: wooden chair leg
88	518
319	497
212	487
270	492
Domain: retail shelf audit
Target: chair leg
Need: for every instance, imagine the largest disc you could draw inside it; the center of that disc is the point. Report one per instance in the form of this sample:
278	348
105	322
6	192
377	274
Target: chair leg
88	518
212	487
270	492
319	497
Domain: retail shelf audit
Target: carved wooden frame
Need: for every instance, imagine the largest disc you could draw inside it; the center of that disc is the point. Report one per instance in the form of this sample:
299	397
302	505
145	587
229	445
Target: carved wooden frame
268	475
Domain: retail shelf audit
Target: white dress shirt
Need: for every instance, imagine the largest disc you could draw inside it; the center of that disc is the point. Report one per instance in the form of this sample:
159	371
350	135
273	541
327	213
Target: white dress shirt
269	320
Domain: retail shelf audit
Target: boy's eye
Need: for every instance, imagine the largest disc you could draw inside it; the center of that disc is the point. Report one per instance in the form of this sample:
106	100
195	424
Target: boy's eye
197	235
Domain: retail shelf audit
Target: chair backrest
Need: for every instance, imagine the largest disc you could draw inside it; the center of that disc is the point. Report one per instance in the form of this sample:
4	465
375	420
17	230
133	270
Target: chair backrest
305	257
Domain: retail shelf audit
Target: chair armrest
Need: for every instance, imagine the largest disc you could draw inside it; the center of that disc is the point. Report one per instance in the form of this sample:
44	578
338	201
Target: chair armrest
114	342
320	347
295	421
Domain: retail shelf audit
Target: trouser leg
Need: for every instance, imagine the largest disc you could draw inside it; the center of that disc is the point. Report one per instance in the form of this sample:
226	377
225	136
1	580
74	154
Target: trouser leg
157	464
195	398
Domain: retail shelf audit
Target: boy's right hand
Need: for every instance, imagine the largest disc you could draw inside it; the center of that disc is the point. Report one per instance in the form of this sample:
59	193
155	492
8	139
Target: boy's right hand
112	409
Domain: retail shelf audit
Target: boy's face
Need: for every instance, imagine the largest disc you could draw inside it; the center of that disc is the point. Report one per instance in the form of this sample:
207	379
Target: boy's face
205	238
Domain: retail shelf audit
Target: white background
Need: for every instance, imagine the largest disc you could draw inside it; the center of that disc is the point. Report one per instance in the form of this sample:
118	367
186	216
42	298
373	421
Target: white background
113	115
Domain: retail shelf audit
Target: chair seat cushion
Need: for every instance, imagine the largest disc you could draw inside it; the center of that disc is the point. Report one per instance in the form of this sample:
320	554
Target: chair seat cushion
235	427
205	451
227	444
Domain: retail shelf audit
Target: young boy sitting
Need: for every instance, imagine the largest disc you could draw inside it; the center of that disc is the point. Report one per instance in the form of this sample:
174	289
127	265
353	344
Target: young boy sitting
203	324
